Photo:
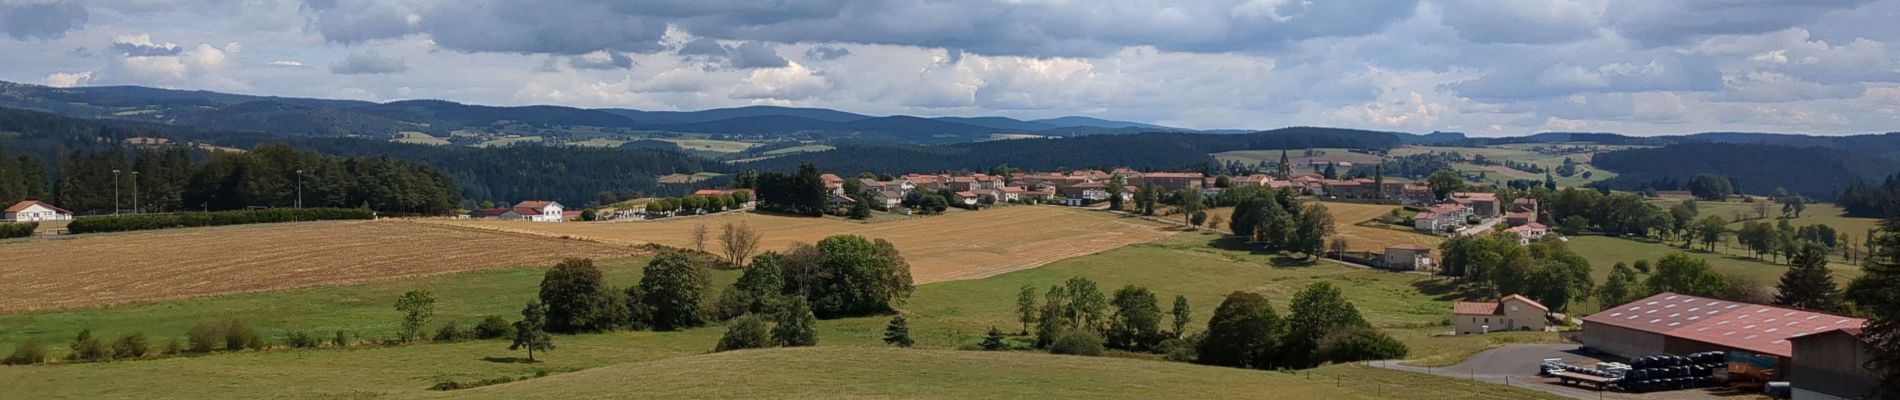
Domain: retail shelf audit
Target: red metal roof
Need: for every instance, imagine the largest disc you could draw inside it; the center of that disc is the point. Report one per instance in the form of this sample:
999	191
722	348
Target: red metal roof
23	204
1753	327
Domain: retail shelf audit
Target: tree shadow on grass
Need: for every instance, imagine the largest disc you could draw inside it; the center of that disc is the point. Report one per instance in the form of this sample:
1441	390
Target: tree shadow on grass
510	360
1442	289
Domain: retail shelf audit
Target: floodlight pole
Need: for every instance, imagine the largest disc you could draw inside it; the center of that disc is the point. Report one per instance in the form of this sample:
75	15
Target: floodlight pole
115	192
135	192
300	189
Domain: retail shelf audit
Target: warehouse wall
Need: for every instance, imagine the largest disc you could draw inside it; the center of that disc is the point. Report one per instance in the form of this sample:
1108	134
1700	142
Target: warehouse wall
1620	341
1831	364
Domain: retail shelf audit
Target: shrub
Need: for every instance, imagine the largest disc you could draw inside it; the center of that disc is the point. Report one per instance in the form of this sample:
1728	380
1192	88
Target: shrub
1359	343
492	327
450	332
745	332
88	348
131	345
1181	350
1081	342
341	340
897	333
123	223
302	340
239	336
173	347
18	230
30	351
794	325
204	337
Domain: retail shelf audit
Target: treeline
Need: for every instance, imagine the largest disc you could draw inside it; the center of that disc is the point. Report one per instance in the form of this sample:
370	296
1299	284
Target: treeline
798	193
1868	200
1546	271
1755	168
272	176
139	222
1277	219
1145	151
570	175
1416	166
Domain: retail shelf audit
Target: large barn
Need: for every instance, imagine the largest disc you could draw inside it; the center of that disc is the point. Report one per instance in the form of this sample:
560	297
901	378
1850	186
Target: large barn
1671	323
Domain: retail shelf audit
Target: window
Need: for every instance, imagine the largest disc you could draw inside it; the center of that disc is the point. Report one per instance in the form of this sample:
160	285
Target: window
1513	308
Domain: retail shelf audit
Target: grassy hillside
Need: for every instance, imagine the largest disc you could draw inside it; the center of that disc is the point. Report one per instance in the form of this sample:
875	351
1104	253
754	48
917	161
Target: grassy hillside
944	316
835	372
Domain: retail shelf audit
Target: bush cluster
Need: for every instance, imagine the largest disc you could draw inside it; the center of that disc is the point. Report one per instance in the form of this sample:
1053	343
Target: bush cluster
17	230
139	222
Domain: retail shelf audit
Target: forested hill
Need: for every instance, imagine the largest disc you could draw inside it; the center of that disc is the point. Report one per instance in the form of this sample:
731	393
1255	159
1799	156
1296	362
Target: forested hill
570	175
1817	172
1142	151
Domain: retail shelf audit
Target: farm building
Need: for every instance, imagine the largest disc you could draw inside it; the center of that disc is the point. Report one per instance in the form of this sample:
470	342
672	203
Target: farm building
34	210
1833	365
1408	257
537	211
1511	313
1671	323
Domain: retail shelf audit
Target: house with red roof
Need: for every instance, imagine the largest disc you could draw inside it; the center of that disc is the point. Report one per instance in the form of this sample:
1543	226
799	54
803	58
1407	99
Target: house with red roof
1510	313
1530	232
34	211
537	211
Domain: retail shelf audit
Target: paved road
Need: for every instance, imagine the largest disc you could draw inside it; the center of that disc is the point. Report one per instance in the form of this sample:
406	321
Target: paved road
1516	365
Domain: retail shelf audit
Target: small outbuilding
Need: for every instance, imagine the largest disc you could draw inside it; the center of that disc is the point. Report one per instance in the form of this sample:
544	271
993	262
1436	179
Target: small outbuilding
1408	257
1832	365
34	211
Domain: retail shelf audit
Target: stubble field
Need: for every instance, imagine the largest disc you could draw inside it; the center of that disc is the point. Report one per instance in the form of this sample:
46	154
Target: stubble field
95	270
954	246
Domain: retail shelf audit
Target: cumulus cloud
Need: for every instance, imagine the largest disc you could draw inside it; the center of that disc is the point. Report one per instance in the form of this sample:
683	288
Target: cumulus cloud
68	79
1683	21
601	60
35	19
1529	22
368	62
141	45
827	52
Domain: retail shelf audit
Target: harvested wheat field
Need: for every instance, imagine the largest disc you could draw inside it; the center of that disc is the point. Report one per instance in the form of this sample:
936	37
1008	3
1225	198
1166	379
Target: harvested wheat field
1347	216
955	246
91	270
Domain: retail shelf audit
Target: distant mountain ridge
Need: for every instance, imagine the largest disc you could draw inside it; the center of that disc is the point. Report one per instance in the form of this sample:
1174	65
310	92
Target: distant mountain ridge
323	117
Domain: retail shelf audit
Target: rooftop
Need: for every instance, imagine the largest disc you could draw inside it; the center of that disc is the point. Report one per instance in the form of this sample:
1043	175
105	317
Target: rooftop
1753	327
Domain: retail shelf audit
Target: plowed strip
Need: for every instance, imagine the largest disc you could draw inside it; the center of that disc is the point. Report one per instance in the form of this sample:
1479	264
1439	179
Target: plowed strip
144	266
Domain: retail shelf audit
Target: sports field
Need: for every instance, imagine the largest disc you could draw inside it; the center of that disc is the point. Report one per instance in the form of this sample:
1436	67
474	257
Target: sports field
958	245
102	269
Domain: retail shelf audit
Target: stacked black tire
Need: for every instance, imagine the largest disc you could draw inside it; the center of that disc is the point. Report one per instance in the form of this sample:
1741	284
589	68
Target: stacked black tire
1667	372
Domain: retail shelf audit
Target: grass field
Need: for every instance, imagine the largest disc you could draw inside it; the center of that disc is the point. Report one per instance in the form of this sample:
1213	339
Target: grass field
1297	157
143	266
687	178
716	146
965	245
1519	153
944	316
414	137
1347	216
799	149
833	372
508	141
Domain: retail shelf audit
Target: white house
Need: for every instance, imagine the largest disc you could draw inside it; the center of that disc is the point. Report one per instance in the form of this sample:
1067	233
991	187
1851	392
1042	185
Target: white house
1530	232
537	211
35	210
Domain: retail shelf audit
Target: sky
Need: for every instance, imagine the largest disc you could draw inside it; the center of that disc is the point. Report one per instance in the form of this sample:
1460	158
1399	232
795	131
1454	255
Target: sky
1483	67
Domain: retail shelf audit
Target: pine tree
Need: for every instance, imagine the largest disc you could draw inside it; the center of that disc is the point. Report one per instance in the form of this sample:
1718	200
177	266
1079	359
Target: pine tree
795	325
1808	283
898	332
1878	293
531	331
994	340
